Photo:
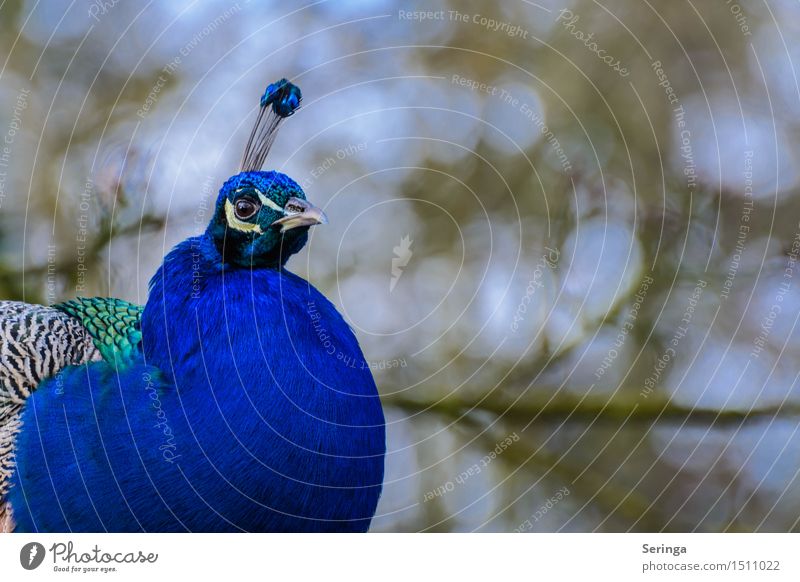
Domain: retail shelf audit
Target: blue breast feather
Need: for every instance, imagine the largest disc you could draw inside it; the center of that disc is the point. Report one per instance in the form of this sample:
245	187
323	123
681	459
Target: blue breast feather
247	411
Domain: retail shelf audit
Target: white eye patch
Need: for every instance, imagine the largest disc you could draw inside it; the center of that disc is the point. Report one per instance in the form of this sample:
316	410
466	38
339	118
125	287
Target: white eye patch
267	202
264	200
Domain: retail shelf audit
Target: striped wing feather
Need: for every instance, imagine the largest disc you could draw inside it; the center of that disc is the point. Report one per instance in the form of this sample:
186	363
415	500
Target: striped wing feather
36	342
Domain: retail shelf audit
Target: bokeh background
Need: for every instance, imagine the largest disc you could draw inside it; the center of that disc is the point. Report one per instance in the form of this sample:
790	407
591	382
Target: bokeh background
565	232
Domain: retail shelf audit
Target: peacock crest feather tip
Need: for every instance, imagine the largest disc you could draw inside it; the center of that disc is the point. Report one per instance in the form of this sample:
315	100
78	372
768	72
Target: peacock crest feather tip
284	97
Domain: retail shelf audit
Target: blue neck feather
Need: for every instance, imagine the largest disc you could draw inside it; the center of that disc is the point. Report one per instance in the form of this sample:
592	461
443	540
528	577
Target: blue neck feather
258	376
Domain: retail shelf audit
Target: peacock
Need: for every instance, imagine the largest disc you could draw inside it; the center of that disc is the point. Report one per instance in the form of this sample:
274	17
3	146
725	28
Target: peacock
218	406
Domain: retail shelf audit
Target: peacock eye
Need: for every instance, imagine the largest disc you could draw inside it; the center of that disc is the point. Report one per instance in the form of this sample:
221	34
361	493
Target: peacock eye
246	208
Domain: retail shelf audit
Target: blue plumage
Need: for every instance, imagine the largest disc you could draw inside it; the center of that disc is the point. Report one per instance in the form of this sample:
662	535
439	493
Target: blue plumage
234	416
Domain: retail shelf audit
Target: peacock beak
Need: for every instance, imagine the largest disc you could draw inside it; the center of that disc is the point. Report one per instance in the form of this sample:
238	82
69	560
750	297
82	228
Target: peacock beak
299	212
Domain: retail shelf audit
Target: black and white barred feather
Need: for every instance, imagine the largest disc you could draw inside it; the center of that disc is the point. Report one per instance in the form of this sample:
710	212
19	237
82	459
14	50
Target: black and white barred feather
35	343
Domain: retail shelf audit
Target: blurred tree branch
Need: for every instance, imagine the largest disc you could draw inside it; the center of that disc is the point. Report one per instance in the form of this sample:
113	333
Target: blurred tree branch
11	278
567	407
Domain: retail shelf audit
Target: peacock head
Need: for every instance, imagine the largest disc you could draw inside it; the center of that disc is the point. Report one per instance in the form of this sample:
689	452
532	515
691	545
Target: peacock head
262	218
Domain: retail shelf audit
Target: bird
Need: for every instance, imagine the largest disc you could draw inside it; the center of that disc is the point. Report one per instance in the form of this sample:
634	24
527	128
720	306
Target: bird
228	402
